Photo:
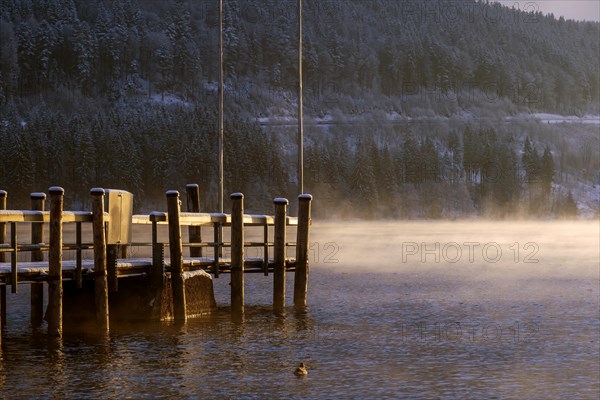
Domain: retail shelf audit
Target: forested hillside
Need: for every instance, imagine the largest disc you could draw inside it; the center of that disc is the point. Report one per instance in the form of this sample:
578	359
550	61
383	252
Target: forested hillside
123	94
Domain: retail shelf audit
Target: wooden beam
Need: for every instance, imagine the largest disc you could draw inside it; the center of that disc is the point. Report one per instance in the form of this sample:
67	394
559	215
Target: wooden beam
237	253
14	277
44	216
302	247
193	206
38	203
279	255
157	273
3	196
176	252
55	290
100	280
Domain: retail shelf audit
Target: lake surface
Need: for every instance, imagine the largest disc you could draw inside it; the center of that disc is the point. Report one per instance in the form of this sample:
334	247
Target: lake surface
396	310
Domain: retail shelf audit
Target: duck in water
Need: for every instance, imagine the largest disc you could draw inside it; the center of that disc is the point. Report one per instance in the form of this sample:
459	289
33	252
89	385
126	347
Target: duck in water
301	370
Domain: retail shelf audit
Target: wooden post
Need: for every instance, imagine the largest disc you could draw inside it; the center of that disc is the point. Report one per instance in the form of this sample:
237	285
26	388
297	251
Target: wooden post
38	203
302	237
266	250
279	255
157	274
100	281
193	205
237	253
78	274
55	291
3	196
217	248
176	252
14	276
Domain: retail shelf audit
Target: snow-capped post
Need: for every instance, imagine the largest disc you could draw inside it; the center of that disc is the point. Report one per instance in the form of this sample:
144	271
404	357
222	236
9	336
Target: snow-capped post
100	280
237	253
176	252
302	236
38	203
55	290
193	205
279	255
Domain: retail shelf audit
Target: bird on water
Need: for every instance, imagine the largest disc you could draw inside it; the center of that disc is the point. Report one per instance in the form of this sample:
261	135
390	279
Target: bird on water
301	370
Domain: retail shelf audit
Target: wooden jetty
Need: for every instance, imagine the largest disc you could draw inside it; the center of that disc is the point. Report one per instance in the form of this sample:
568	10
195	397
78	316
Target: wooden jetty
109	271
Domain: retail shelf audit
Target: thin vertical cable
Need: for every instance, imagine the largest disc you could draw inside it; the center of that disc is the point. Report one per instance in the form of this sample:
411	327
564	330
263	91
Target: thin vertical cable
221	140
300	117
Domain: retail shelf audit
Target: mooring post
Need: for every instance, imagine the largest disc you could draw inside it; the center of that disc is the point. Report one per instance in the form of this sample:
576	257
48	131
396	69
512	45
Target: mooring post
78	273
100	280
302	237
157	274
14	273
3	196
38	203
237	253
193	205
55	290
279	255
176	251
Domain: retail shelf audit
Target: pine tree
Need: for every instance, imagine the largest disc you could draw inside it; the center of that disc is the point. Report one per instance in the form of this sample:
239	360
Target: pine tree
547	171
530	162
410	159
9	67
363	185
569	206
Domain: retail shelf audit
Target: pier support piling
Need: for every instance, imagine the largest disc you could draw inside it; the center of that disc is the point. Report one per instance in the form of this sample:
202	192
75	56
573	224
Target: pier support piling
3	196
237	253
176	251
302	246
38	203
100	281
55	289
279	255
193	205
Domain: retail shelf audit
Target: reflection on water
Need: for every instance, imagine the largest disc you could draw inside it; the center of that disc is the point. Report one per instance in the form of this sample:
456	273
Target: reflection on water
375	327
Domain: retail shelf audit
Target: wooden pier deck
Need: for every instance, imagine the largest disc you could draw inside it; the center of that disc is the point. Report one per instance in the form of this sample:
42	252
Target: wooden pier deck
111	234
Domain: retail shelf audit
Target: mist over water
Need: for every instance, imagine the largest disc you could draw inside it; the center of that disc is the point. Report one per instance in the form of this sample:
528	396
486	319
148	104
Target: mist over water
510	249
393	313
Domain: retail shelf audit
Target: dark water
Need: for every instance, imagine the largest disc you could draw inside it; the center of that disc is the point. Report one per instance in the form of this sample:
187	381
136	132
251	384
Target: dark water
377	326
